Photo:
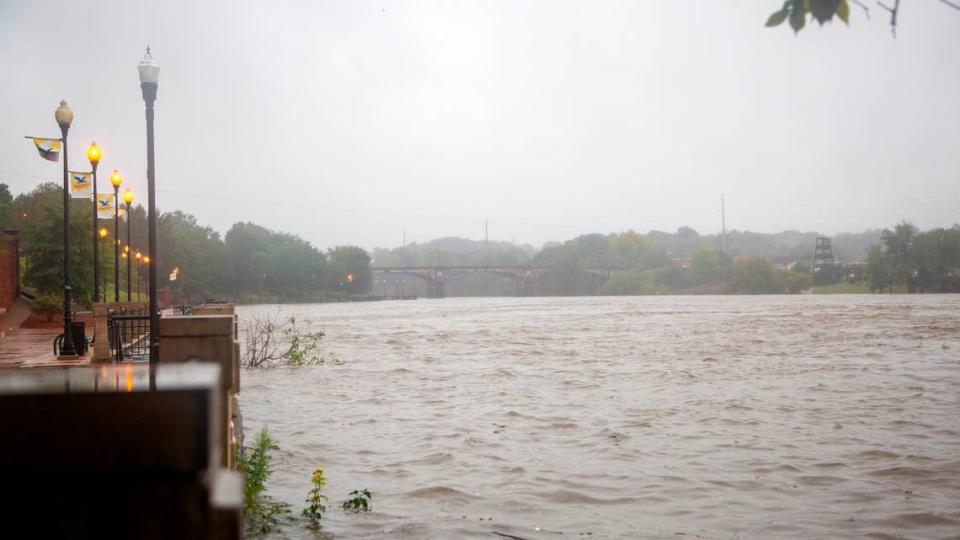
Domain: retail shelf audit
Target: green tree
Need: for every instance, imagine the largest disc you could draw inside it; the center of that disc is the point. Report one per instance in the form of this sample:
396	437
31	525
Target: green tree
709	266
899	242
627	251
878	270
6	207
350	269
198	253
592	250
567	275
791	281
935	255
673	277
40	220
631	282
753	275
271	263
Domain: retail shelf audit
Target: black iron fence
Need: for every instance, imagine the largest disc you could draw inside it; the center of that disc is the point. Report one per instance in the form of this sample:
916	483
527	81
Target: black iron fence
129	335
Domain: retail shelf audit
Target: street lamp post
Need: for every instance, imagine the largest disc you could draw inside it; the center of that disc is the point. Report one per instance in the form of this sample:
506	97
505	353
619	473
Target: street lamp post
139	259
64	117
93	154
128	199
116	179
103	234
149	73
146	260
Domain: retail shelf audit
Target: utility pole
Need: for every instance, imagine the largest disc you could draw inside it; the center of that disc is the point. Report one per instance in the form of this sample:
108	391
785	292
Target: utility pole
723	224
403	238
486	230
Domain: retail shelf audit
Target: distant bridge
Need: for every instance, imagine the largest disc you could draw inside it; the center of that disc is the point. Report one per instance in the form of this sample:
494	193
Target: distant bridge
436	277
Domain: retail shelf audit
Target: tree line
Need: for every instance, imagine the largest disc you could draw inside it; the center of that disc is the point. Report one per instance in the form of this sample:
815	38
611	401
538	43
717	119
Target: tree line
686	262
912	261
625	263
249	264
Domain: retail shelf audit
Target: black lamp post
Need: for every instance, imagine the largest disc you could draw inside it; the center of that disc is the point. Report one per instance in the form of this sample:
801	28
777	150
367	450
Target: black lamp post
103	233
139	273
149	76
128	199
64	117
116	179
93	154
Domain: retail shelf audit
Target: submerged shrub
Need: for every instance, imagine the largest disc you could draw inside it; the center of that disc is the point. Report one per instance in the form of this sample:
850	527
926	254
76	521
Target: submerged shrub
303	345
274	342
359	501
260	511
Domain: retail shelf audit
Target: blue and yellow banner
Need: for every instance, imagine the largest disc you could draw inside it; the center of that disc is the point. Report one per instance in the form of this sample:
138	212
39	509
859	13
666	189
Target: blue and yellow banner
105	205
49	148
81	185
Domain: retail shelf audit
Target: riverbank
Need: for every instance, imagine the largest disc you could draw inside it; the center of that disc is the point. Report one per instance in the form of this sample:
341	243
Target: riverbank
843	287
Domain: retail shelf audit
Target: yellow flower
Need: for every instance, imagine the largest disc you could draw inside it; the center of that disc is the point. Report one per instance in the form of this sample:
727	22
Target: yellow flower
317	477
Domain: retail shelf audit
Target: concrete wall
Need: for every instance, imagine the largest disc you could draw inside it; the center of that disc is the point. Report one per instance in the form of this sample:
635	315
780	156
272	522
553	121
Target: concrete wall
209	338
85	458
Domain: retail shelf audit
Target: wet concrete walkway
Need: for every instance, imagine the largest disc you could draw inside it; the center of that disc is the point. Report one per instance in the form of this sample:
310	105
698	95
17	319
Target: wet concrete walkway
33	347
29	347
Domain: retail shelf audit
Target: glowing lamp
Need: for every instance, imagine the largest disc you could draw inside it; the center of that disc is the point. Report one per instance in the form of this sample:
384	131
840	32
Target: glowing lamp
93	153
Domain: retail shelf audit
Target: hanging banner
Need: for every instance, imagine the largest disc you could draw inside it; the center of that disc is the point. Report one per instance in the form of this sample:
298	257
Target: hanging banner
81	185
105	205
49	148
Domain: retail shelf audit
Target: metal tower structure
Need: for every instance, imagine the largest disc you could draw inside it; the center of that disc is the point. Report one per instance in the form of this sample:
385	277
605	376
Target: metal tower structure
822	256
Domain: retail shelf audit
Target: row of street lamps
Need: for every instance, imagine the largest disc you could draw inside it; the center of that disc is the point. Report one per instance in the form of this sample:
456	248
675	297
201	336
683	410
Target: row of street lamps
140	257
149	73
94	154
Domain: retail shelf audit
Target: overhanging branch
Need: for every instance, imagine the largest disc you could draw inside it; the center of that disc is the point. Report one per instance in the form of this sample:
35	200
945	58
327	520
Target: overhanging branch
893	14
951	4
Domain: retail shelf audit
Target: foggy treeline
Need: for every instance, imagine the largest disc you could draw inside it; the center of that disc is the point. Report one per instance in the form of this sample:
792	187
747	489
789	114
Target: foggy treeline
657	262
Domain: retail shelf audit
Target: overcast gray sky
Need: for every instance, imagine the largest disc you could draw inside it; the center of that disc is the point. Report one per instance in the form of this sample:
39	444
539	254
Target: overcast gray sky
348	122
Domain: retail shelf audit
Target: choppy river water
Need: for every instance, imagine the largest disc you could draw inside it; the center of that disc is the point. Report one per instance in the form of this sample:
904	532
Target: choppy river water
649	417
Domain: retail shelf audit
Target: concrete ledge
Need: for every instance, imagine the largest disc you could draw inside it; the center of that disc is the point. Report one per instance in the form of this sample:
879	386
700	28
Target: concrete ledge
197	326
215	309
86	420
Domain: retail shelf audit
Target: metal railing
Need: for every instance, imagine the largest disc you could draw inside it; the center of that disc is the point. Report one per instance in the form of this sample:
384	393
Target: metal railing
129	335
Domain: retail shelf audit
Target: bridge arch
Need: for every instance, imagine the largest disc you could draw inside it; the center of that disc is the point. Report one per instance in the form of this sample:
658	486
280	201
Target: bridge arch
436	277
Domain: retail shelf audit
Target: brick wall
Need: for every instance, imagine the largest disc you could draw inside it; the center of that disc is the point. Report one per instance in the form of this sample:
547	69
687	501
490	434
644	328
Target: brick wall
9	267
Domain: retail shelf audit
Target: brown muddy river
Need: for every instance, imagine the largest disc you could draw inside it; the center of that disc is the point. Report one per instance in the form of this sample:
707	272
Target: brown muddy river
649	417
